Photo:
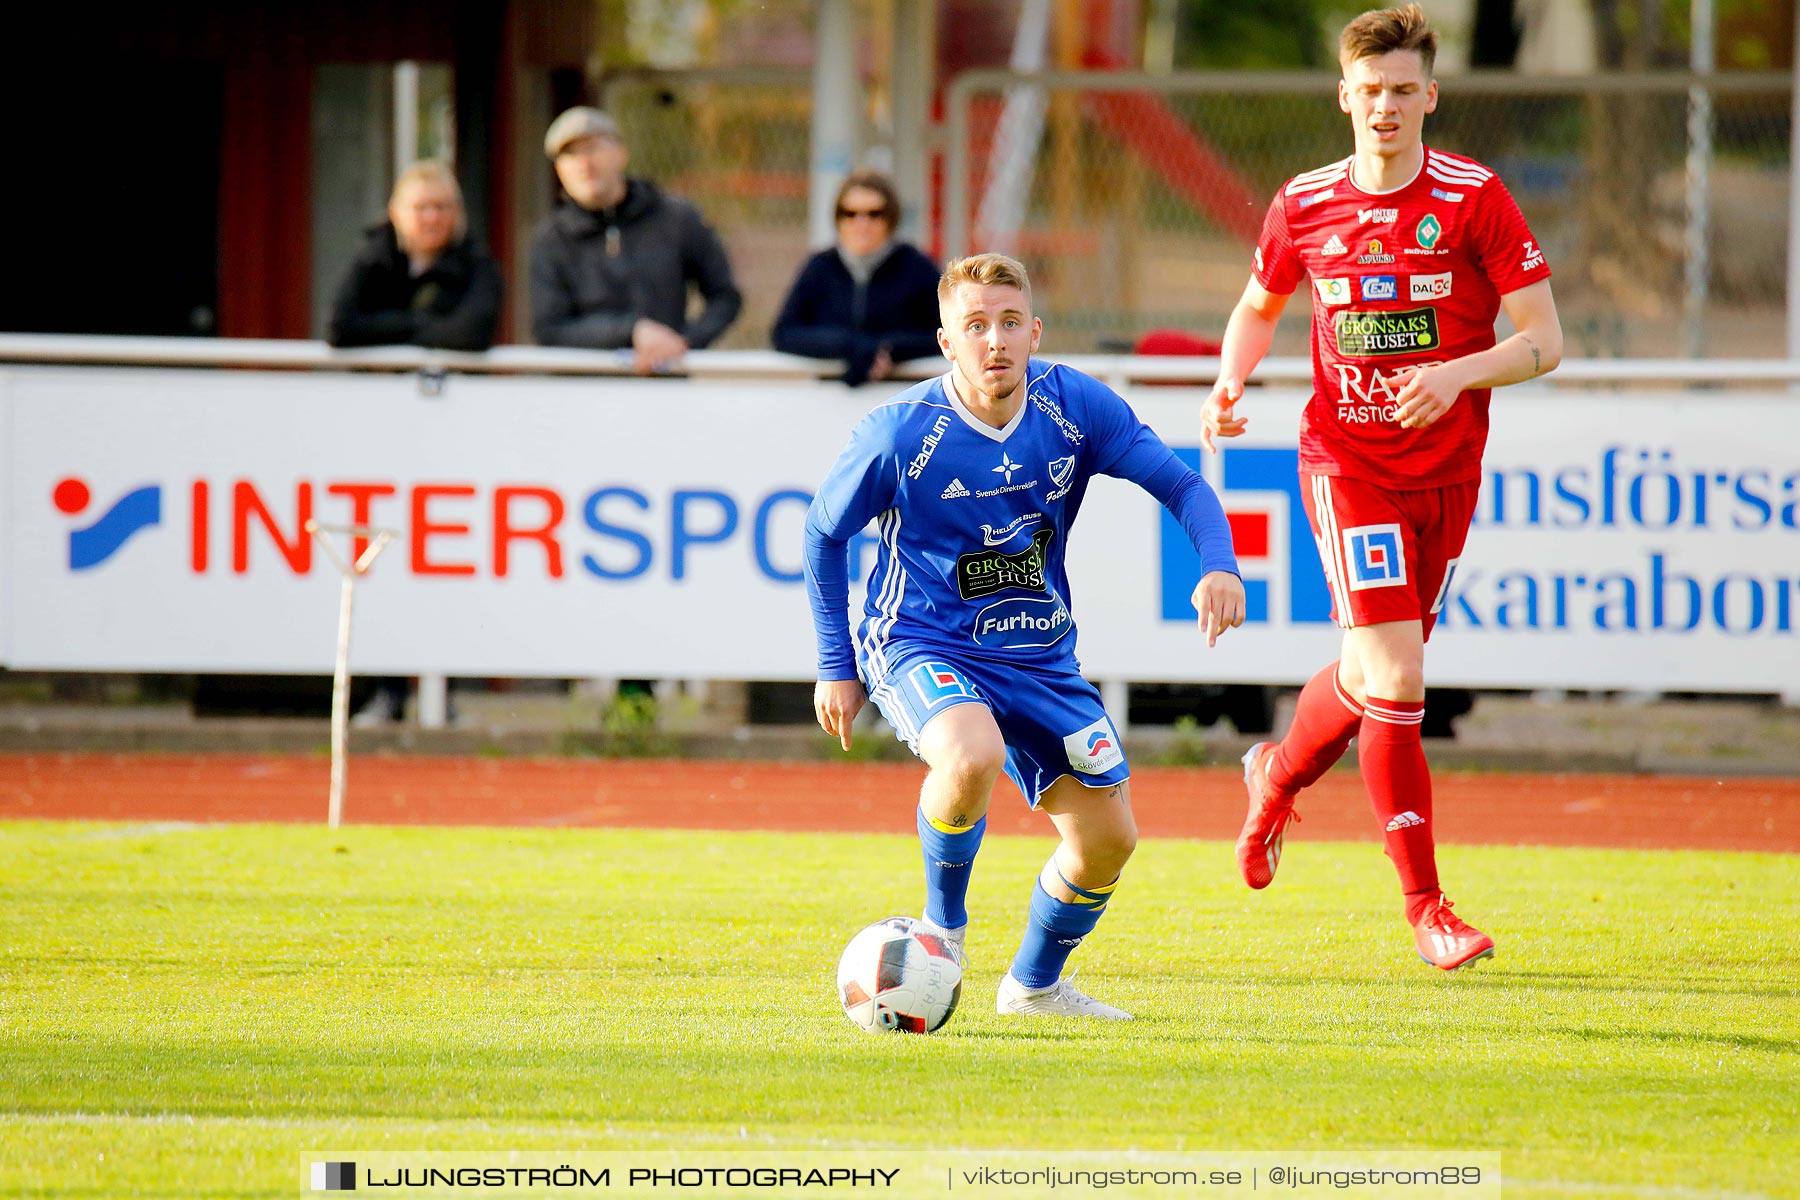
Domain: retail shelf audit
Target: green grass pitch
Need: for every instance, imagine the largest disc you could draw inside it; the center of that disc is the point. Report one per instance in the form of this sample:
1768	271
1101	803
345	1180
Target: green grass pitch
189	1011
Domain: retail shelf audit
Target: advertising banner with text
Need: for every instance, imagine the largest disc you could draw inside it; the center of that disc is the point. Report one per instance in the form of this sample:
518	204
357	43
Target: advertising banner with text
152	520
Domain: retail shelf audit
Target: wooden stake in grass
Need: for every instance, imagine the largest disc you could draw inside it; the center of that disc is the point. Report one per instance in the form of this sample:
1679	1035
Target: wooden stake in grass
374	541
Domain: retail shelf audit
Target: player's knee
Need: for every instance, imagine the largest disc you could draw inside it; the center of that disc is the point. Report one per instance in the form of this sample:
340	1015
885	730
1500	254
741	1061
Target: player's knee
971	761
1394	680
1118	847
1102	853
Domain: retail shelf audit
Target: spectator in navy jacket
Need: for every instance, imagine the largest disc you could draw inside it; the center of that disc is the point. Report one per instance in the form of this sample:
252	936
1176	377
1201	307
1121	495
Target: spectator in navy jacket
420	280
869	300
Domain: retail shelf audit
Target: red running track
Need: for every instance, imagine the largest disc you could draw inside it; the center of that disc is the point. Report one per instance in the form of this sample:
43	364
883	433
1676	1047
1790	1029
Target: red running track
1562	810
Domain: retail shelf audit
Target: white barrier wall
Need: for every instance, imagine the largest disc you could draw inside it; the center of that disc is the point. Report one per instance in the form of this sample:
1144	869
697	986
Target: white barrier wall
151	520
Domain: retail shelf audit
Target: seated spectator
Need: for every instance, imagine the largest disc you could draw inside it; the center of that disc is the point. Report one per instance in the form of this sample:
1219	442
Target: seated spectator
611	266
420	280
869	300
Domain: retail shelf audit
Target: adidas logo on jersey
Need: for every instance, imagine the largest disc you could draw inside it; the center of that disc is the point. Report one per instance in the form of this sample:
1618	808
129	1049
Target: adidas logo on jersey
1405	820
1334	246
955	490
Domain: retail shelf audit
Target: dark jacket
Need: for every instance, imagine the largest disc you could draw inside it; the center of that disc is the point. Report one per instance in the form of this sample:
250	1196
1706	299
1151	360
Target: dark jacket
593	274
827	315
454	305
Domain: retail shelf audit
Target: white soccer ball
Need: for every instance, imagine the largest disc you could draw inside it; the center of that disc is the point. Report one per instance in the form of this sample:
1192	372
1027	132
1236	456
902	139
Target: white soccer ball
895	976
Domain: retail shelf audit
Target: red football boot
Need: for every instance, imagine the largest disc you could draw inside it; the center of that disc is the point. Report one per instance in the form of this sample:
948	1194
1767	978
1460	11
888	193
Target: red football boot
1446	940
1259	844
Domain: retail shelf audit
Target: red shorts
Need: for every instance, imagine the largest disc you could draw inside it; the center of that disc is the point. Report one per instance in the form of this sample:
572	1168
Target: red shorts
1388	555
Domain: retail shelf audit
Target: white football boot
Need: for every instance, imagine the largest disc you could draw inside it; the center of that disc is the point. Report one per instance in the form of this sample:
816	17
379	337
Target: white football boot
1060	999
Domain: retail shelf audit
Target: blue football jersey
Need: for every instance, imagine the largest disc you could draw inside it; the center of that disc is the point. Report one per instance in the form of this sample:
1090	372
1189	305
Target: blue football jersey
973	521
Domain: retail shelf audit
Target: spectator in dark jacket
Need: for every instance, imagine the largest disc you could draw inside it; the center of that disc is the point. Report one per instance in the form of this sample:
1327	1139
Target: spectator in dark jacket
419	280
869	300
611	266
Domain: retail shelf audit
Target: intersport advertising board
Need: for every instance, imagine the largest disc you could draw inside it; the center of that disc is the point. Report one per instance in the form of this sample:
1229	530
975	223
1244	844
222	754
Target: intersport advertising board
152	520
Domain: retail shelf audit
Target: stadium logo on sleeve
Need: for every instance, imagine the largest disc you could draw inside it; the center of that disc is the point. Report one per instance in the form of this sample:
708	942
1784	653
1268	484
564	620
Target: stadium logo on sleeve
1094	750
1374	556
927	447
99	540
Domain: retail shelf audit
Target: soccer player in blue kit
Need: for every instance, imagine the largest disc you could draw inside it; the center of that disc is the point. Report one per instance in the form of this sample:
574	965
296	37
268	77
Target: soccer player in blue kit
966	644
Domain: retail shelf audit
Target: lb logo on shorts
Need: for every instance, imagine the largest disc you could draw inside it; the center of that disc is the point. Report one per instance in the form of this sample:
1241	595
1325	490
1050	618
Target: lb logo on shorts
936	682
1373	557
1095	749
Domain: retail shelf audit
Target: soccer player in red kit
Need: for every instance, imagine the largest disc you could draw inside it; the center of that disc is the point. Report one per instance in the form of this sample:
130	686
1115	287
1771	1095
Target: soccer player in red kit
1411	253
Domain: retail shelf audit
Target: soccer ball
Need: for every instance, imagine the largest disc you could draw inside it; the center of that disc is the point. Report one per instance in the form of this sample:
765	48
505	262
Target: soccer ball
896	976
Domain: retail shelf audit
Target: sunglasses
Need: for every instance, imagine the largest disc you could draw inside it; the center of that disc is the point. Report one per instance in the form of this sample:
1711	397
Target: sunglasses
869	214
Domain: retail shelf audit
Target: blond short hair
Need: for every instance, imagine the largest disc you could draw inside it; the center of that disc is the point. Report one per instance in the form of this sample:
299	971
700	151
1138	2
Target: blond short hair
1385	30
430	170
984	270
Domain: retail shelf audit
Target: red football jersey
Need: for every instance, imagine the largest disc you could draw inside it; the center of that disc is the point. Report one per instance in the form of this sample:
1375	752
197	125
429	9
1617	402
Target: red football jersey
1400	279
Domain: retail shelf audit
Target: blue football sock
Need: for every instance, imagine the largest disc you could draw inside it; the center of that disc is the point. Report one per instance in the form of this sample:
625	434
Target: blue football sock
1053	929
949	861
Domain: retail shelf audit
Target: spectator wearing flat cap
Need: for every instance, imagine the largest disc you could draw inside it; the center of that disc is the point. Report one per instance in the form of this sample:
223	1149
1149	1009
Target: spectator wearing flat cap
419	279
612	265
869	300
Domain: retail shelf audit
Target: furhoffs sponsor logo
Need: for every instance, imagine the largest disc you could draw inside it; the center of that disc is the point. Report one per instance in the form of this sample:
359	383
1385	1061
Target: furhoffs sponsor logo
1021	624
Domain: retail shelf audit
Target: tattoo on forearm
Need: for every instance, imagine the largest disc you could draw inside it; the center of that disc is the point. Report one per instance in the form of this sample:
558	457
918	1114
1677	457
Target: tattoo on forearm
1536	358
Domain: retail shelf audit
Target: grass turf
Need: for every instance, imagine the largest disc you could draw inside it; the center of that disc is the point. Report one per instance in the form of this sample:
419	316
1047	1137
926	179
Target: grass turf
189	1011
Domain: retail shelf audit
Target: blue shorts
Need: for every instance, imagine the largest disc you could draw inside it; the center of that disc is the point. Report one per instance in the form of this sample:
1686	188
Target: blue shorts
1052	720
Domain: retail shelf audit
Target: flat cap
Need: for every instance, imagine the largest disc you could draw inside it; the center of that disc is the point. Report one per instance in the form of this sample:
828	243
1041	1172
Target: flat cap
576	124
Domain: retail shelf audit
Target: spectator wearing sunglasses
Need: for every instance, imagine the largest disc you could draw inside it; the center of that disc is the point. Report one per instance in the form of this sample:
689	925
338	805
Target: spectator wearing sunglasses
869	300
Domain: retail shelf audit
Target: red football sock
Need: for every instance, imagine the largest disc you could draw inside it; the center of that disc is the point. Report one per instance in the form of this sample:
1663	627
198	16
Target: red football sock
1399	786
1325	720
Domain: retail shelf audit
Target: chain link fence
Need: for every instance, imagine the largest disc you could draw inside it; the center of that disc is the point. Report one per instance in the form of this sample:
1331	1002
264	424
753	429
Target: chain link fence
737	143
1135	200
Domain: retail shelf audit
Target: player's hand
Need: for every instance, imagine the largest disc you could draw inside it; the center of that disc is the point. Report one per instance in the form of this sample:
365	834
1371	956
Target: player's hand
1219	599
655	345
1216	415
836	703
1426	396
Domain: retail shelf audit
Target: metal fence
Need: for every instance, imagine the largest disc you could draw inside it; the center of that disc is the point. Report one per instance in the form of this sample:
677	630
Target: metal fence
737	143
1135	198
